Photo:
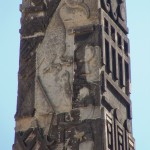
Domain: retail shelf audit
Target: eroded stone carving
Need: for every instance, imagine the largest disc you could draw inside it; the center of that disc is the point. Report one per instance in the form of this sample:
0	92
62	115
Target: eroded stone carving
54	71
86	105
78	4
117	11
33	138
77	134
64	103
44	93
78	10
52	67
67	91
61	107
87	62
122	10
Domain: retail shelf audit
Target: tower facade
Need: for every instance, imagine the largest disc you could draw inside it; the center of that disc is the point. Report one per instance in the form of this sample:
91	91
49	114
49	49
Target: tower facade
74	76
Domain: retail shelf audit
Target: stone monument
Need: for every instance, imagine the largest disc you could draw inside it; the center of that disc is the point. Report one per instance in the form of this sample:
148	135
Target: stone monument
74	76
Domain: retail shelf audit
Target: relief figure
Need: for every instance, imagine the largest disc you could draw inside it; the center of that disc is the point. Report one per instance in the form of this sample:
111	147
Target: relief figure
87	62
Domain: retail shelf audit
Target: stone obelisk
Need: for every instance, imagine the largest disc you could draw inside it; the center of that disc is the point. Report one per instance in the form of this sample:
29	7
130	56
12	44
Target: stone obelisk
74	76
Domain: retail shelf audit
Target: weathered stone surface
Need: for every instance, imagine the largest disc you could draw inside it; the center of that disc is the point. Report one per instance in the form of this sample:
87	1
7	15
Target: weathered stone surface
74	76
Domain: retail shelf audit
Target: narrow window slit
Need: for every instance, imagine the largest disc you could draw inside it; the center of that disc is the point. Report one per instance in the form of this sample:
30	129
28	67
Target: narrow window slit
126	48
114	73
119	41
127	80
107	56
113	33
120	69
106	26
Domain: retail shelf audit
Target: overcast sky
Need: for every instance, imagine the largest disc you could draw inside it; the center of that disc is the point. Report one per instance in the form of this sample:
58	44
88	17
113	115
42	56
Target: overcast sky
139	27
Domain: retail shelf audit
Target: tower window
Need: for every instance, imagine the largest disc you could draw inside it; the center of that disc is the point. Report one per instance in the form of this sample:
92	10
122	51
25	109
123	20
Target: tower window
126	48
114	75
106	26
127	80
107	54
120	69
119	41
113	34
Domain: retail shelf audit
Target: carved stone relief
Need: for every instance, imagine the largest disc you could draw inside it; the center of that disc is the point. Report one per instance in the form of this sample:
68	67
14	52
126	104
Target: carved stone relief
33	139
77	133
53	71
117	11
63	98
34	21
87	62
73	14
86	76
57	52
118	136
113	6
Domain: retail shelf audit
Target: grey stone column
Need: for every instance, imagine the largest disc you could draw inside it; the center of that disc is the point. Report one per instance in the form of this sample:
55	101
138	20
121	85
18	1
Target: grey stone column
74	76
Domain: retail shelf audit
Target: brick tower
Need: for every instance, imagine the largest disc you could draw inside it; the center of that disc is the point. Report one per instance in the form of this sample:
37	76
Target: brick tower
74	76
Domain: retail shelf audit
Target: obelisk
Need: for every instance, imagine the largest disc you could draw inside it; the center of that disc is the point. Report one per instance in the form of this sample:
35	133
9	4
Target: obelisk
74	76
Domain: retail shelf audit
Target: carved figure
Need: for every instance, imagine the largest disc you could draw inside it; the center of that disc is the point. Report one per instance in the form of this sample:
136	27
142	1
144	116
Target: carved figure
87	62
83	56
89	54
